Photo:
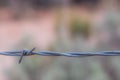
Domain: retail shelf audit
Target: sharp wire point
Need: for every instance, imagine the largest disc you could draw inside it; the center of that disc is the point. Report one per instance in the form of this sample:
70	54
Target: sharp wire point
21	58
32	50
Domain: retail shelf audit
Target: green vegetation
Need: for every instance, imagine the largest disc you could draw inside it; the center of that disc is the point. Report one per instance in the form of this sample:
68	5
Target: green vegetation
80	27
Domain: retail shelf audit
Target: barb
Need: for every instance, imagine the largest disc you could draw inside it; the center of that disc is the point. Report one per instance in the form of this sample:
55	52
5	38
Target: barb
26	52
67	54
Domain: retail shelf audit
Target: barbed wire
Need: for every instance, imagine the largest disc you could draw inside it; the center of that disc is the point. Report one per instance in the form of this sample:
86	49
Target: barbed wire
26	52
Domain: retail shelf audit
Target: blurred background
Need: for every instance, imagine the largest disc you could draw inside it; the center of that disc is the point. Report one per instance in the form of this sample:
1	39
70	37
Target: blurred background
60	26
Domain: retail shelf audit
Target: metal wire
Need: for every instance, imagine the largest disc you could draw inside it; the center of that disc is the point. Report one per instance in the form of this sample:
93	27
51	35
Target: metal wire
67	54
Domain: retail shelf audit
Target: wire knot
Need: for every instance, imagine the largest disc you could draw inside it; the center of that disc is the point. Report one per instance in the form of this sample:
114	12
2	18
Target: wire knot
26	53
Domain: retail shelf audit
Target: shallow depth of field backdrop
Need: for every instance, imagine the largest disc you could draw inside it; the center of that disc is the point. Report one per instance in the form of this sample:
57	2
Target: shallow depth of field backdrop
60	26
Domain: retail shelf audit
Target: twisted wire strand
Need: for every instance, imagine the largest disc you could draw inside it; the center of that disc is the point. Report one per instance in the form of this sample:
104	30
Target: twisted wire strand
67	54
